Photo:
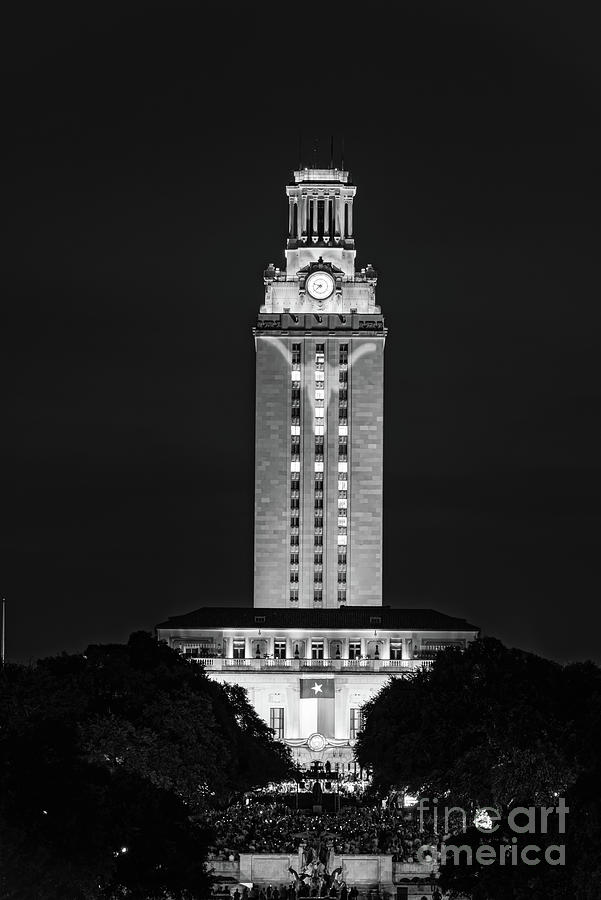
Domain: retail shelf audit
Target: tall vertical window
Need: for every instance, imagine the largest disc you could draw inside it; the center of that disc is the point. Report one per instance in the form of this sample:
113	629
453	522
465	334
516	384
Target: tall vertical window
316	649
356	723
276	721
319	425
396	649
354	649
343	473
279	649
239	648
295	464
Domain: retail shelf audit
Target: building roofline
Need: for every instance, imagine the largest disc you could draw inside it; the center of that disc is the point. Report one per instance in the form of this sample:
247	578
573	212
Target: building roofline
360	617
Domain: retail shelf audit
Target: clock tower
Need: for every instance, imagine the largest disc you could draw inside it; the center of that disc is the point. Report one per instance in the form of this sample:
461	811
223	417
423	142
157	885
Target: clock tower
319	343
319	642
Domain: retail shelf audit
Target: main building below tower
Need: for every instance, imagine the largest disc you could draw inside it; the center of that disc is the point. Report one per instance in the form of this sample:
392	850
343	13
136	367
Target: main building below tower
319	411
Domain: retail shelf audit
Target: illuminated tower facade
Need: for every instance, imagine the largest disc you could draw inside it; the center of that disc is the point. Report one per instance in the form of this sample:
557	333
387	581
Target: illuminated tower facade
319	343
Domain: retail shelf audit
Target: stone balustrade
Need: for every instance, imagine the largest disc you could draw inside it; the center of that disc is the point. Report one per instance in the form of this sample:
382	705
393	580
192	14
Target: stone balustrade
220	664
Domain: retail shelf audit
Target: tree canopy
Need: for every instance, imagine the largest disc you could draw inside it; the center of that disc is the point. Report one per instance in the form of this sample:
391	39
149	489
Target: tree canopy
501	728
108	760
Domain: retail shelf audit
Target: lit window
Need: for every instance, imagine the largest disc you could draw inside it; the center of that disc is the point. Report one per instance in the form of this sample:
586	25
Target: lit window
343	467
396	649
342	429
342	540
342	504
319	376
295	466
318	467
342	485
320	394
319	429
295	429
295	375
342	521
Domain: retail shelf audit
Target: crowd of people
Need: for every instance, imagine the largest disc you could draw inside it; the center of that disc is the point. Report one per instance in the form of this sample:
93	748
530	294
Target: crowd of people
288	892
284	892
257	827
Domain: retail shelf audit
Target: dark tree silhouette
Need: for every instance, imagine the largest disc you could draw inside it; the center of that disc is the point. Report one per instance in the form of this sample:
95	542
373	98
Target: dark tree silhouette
108	760
497	727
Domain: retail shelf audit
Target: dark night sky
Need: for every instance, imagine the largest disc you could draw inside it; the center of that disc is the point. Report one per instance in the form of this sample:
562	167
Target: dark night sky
146	152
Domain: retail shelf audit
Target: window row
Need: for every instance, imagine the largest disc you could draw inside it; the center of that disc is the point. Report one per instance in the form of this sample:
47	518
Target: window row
315	647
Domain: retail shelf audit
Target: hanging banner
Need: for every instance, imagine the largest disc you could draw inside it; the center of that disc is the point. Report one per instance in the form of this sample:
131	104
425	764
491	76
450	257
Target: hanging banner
317	697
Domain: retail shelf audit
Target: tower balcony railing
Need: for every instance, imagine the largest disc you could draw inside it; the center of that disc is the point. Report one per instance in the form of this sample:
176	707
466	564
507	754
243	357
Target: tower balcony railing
221	664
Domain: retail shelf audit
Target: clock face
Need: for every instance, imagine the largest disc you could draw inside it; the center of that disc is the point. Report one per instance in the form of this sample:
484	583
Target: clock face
320	285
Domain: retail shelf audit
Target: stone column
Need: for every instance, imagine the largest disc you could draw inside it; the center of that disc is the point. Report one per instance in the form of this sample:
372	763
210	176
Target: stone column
326	216
350	218
314	211
302	218
338	215
290	216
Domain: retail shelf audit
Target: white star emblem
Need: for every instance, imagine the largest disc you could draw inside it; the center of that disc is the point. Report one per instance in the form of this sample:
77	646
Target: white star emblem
316	688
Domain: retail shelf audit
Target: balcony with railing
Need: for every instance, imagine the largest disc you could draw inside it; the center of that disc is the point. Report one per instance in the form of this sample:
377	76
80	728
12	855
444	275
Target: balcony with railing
391	666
